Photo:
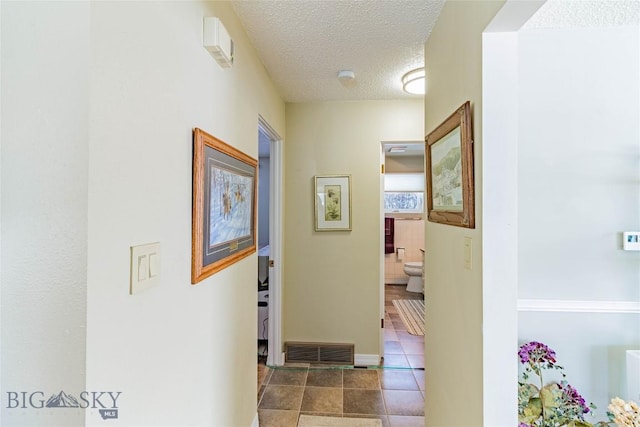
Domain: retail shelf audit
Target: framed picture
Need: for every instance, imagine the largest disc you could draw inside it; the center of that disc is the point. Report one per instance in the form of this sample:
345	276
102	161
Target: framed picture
332	202
449	152
224	205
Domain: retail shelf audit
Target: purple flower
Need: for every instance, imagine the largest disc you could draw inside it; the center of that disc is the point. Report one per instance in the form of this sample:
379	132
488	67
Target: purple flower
524	425
572	397
536	352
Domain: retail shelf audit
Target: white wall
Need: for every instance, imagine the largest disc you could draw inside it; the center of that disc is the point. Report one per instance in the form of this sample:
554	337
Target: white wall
578	189
579	163
99	101
45	127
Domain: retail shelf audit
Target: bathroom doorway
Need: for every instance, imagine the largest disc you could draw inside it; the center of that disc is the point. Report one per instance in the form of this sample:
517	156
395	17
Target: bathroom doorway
403	214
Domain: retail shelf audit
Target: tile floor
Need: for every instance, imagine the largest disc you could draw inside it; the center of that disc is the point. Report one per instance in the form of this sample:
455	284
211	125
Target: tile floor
392	392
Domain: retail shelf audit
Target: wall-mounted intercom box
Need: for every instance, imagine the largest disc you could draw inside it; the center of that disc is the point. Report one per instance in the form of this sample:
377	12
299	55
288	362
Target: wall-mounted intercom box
217	41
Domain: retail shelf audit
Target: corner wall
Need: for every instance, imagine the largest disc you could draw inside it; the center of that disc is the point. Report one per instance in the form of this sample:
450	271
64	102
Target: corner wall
332	279
453	294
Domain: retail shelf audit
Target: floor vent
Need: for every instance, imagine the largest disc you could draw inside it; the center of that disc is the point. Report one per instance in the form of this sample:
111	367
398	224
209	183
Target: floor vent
313	352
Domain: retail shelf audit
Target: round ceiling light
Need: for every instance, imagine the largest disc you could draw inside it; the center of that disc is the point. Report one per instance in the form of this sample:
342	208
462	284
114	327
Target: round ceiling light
414	82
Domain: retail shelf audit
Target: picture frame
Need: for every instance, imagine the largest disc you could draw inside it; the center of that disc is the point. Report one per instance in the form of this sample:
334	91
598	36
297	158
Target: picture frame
332	202
224	212
449	171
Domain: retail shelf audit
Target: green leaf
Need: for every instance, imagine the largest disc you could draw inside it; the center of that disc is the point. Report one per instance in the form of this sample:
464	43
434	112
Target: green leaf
527	391
531	412
550	396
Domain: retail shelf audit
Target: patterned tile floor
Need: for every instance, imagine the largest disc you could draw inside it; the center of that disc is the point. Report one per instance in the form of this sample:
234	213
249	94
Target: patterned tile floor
393	393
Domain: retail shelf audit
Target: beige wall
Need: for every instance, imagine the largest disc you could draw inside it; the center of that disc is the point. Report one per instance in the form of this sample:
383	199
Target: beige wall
96	157
454	294
404	164
152	82
332	279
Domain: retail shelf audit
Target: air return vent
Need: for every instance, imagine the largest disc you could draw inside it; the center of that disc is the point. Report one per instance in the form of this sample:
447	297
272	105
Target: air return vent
313	352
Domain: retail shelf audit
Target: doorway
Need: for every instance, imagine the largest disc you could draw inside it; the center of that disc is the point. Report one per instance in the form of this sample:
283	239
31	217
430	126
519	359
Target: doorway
402	211
270	207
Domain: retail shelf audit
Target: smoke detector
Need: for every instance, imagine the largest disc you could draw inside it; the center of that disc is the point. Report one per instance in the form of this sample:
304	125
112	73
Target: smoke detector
346	77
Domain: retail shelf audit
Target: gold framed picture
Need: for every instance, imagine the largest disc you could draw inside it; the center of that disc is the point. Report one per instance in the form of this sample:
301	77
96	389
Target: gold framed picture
223	229
449	152
332	202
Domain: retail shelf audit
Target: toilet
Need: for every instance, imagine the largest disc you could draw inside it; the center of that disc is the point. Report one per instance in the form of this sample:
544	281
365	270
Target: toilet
414	271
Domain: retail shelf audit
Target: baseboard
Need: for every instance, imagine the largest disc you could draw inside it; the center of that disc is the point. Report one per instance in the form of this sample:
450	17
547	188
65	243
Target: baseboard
366	360
255	422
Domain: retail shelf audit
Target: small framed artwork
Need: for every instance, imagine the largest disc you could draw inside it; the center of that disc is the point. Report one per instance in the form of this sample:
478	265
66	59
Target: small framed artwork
449	157
223	229
332	202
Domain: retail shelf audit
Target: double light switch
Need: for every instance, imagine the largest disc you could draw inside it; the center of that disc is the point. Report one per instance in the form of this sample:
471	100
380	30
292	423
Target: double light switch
145	267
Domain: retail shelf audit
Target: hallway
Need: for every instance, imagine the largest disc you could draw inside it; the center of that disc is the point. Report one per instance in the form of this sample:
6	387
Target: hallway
392	392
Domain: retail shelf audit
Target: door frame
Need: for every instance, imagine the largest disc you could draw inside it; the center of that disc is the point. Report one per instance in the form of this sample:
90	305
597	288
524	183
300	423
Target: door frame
381	287
275	357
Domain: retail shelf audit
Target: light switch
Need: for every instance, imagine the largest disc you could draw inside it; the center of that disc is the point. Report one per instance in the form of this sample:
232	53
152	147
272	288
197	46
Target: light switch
468	253
142	267
154	264
145	267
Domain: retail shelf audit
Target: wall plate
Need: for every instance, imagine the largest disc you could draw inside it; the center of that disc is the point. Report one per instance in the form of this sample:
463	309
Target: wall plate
145	267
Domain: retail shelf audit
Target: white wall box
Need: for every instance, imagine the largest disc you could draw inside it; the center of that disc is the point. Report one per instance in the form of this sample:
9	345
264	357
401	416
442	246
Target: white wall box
217	41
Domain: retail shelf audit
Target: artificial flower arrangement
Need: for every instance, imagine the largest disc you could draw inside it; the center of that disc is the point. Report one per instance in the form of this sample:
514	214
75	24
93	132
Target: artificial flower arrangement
560	404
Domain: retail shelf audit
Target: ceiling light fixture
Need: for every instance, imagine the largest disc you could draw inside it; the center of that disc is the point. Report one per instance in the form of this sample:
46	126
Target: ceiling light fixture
414	82
397	149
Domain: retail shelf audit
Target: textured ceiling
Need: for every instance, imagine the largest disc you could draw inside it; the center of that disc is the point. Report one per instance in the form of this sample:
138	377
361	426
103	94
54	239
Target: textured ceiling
585	13
303	44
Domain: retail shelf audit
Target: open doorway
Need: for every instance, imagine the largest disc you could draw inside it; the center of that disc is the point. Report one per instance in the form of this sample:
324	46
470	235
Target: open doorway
403	208
269	244
264	167
402	293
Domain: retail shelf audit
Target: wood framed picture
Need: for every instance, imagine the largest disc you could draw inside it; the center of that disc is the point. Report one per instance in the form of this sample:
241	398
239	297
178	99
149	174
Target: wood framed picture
332	202
449	157
224	205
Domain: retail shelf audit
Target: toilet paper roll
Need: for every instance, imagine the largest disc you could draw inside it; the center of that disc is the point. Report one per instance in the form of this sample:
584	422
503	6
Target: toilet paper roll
400	254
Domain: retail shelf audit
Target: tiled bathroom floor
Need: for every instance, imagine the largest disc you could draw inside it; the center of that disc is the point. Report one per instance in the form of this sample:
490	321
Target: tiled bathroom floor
393	392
